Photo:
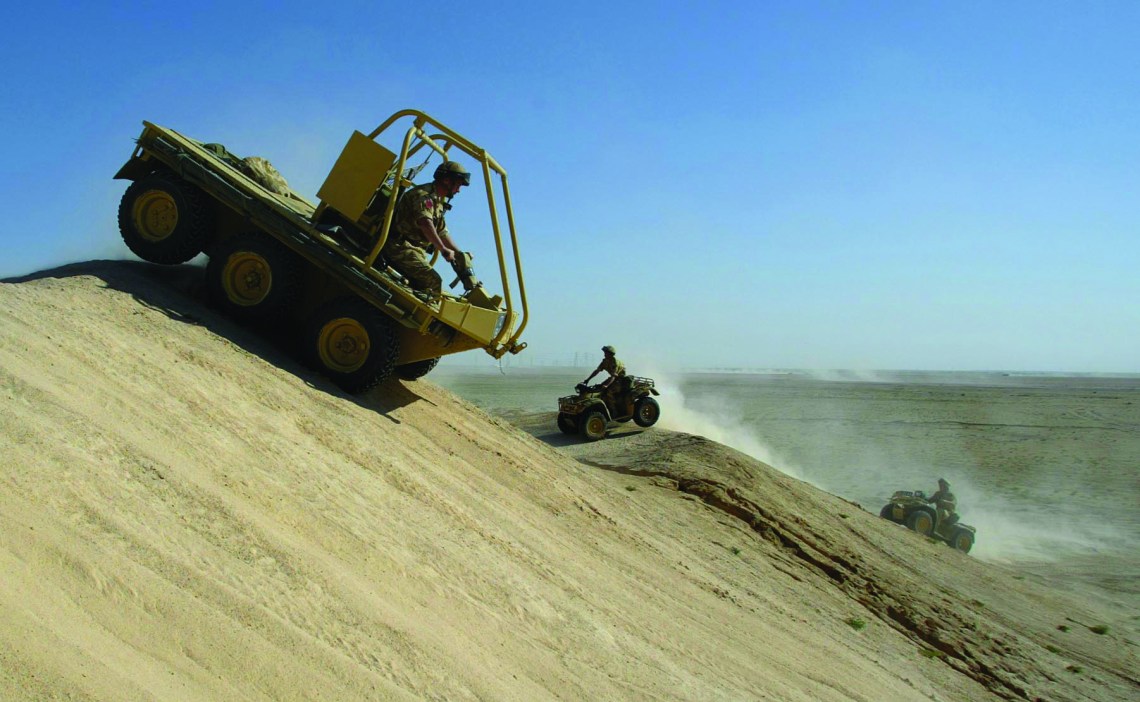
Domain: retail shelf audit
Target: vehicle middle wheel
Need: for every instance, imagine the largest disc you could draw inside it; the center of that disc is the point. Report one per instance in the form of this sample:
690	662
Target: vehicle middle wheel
646	411
593	425
163	219
921	521
416	370
352	343
254	276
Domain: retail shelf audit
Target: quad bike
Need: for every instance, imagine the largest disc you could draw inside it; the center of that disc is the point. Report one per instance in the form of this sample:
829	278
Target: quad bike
591	410
916	512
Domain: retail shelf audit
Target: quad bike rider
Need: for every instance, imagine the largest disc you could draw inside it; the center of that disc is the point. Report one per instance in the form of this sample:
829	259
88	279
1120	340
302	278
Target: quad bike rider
619	398
934	516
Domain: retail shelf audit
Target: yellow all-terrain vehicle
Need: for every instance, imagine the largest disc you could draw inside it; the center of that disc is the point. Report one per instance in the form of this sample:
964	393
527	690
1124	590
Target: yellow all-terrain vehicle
276	258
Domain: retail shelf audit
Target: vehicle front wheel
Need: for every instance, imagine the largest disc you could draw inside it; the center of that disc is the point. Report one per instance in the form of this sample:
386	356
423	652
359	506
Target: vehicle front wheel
163	219
963	540
254	276
885	512
593	425
352	343
646	411
566	424
921	521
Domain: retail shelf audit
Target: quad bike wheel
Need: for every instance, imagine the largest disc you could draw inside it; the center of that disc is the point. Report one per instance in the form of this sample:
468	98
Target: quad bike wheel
885	512
646	411
921	521
566	424
963	540
253	276
352	343
163	219
593	425
416	370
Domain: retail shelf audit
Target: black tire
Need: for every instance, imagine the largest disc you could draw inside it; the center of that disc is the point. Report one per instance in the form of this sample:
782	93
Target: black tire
416	370
352	343
962	539
885	512
921	521
254	277
592	425
646	411
566	424
164	219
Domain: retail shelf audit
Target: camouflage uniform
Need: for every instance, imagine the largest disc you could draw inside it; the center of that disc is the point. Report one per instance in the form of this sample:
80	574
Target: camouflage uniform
613	366
946	504
406	248
616	383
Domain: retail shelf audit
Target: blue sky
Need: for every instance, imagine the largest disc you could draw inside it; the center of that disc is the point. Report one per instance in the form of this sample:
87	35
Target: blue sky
868	185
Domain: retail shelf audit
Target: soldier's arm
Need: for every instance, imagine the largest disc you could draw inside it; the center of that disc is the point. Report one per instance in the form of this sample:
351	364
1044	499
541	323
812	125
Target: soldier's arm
435	239
445	237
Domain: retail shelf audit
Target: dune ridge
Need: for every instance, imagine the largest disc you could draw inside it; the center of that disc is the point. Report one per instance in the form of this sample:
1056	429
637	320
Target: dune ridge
189	514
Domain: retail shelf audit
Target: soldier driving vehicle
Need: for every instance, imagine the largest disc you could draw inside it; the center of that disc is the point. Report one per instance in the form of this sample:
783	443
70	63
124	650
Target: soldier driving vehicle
351	274
619	398
419	226
611	365
934	516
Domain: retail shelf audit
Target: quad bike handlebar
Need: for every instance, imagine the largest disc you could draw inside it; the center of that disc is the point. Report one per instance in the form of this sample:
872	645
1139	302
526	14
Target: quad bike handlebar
584	389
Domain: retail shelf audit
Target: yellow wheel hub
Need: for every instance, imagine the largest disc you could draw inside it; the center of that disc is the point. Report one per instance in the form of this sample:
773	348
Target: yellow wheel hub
155	215
247	278
343	345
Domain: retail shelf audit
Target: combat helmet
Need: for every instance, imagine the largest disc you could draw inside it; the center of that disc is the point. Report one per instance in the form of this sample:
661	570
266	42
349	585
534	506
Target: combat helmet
452	169
608	349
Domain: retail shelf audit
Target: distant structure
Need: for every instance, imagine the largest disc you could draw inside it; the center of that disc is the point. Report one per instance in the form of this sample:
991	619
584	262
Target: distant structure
532	359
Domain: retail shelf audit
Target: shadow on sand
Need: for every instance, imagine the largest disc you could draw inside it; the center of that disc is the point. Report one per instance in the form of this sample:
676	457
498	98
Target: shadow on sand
179	292
544	427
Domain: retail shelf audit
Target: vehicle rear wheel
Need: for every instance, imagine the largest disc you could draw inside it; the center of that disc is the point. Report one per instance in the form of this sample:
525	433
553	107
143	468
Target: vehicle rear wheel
416	370
646	411
566	424
593	425
963	540
164	219
921	521
352	343
254	276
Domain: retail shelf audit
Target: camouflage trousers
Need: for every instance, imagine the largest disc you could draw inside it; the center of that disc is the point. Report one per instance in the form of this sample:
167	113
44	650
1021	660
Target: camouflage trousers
412	263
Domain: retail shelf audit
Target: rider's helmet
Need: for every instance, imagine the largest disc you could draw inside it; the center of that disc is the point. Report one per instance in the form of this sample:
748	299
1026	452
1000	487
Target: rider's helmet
943	484
452	169
608	349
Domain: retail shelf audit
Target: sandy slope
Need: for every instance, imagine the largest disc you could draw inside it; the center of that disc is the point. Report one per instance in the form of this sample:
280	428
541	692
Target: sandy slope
187	514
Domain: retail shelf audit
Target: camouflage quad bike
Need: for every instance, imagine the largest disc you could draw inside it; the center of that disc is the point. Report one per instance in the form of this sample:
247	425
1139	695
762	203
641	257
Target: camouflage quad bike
592	409
916	512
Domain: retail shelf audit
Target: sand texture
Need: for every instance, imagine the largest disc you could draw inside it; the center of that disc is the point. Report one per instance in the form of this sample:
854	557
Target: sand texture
187	513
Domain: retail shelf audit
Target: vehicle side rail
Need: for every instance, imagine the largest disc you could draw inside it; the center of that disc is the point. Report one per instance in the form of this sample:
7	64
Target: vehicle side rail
287	229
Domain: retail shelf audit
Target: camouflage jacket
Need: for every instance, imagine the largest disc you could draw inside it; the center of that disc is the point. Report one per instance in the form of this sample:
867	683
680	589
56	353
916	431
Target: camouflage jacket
944	500
612	366
420	201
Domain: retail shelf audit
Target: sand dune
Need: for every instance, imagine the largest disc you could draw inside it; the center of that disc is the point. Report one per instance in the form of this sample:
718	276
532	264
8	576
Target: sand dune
189	514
